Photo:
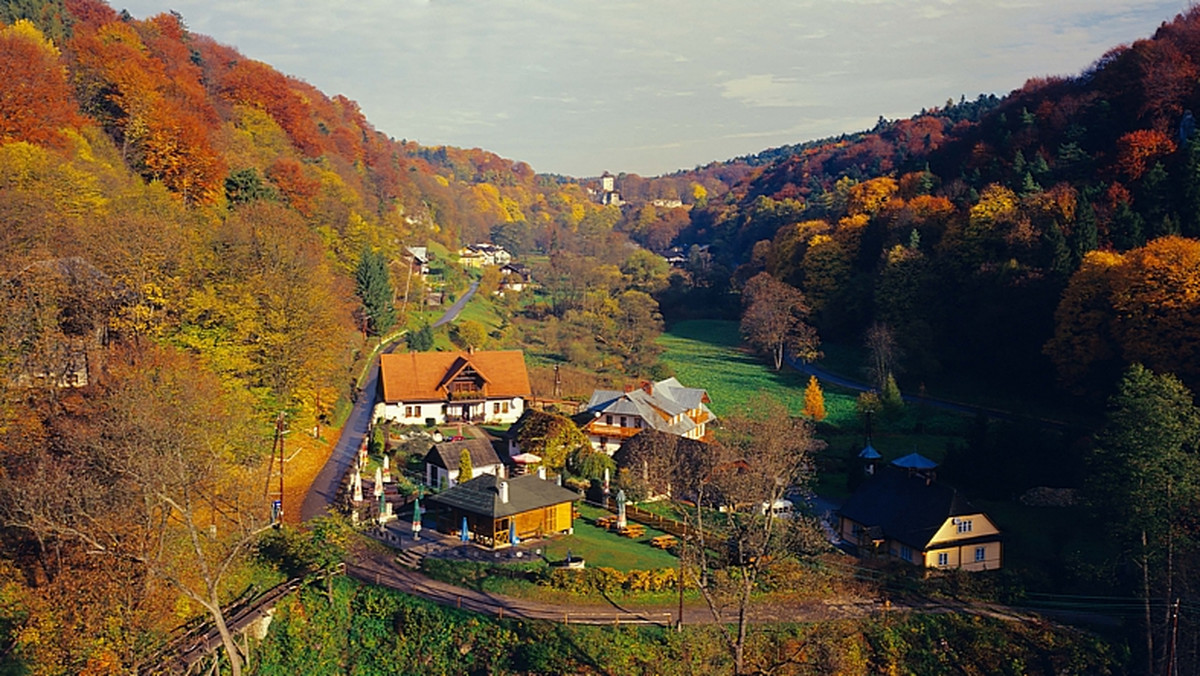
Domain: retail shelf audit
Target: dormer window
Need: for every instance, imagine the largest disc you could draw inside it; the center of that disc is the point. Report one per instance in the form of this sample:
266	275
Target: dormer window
964	525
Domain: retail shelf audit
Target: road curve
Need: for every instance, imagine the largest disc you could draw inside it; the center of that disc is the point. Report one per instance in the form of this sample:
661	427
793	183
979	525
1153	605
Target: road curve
452	312
325	487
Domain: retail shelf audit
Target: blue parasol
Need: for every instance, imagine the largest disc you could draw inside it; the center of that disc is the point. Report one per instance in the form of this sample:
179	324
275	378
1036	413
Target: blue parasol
464	533
512	533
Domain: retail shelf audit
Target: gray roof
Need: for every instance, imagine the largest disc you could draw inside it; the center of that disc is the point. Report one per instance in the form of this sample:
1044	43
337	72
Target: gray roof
448	453
906	507
665	400
481	495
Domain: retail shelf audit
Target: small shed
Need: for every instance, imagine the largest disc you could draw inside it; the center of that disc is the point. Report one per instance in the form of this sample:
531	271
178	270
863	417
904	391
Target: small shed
443	460
498	511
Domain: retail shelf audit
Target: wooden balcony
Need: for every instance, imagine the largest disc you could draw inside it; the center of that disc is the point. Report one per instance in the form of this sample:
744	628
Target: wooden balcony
612	431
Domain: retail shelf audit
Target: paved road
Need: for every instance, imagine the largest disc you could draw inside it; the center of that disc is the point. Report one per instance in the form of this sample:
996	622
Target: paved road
325	487
944	404
452	312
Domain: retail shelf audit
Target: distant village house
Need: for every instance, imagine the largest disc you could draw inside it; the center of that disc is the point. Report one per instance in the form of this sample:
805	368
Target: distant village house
666	406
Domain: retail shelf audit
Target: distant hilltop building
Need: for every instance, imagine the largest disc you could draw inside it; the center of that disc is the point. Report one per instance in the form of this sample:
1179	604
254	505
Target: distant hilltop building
608	191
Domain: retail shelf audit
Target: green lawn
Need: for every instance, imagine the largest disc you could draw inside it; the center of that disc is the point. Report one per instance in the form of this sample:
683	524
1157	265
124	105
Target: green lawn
600	547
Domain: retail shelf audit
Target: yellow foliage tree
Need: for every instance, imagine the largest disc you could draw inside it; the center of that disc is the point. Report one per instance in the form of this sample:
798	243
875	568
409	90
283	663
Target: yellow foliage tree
814	400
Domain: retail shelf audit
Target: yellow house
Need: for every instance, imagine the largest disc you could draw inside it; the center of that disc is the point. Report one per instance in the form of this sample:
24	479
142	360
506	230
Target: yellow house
902	512
497	512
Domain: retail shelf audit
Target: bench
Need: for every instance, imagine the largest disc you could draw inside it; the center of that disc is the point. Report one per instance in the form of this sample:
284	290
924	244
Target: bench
606	521
663	541
633	530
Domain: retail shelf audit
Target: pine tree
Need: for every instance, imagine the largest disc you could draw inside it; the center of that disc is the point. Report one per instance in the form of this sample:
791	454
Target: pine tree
466	471
814	400
374	288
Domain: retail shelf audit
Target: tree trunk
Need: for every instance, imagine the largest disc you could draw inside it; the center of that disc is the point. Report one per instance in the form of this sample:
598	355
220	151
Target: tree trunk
227	640
1146	606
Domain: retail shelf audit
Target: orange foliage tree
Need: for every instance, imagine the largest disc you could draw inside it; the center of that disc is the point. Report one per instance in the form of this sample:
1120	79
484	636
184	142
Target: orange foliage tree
1137	150
37	101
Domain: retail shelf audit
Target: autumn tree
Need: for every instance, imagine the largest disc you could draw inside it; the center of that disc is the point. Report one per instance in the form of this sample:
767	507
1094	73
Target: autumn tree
469	334
37	103
1143	482
466	471
884	354
551	436
758	457
814	400
166	477
773	321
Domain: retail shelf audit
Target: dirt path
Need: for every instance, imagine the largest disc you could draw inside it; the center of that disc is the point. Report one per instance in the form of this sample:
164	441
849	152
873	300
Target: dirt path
376	567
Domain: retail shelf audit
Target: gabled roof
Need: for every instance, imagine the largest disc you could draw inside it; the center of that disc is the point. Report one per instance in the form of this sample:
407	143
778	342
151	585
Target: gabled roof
664	400
481	495
420	376
905	506
448	454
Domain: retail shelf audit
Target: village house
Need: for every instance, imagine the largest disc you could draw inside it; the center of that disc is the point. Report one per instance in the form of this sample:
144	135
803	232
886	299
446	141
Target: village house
514	277
444	460
666	406
901	512
419	256
482	255
499	512
437	387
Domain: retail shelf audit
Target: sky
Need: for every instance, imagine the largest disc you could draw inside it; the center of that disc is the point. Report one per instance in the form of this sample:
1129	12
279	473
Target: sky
655	86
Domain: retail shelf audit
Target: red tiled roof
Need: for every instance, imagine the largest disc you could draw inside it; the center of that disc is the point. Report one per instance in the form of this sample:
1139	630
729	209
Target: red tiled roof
421	376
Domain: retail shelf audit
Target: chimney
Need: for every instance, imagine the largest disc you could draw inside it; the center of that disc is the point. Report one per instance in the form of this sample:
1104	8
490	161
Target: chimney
542	473
504	492
628	388
648	387
470	349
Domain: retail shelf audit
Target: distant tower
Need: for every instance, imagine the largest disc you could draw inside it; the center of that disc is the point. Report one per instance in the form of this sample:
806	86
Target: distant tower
608	190
606	182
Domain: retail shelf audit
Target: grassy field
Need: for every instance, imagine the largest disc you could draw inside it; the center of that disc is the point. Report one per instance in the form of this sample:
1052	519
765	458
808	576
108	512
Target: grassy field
708	354
604	548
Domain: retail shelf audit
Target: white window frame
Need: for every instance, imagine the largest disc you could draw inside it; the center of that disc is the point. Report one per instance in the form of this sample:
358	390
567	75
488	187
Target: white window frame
943	559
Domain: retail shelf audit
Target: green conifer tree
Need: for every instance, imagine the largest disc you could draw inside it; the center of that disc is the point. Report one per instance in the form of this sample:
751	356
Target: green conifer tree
374	288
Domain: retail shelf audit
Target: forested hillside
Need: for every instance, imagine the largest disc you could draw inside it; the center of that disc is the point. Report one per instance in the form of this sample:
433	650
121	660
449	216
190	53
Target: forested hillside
181	232
186	236
1002	238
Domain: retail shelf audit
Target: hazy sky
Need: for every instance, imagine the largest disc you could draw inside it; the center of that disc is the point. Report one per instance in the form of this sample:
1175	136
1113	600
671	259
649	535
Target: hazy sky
649	87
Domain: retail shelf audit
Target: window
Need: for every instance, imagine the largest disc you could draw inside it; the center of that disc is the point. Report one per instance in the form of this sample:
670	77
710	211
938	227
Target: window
943	559
608	420
622	421
980	553
906	553
964	525
504	407
408	411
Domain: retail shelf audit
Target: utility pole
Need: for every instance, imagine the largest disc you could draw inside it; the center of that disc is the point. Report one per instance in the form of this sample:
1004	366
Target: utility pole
1172	638
276	497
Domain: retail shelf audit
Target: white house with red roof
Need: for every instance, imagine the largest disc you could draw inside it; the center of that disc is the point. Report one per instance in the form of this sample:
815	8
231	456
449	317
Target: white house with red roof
473	386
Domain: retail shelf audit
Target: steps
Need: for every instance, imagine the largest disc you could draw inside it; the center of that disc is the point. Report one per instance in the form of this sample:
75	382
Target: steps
409	559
